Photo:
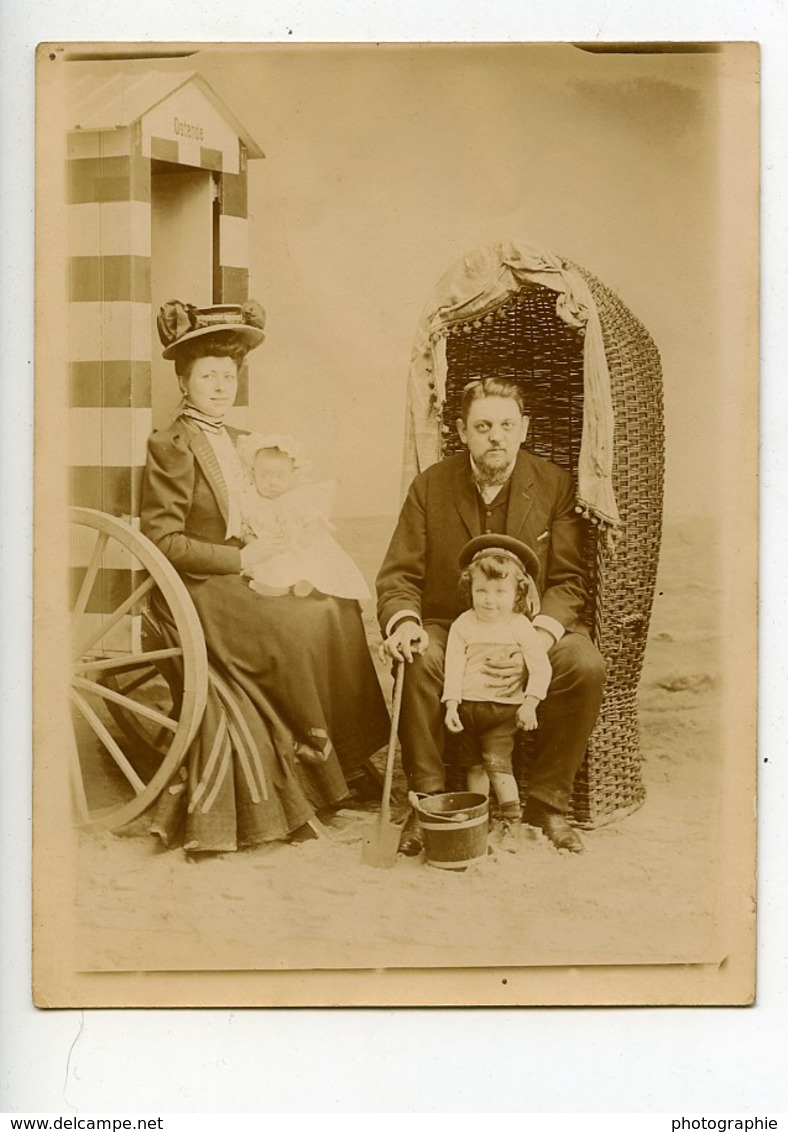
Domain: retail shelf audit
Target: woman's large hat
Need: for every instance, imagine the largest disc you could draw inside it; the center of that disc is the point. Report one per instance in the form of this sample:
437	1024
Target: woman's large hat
181	322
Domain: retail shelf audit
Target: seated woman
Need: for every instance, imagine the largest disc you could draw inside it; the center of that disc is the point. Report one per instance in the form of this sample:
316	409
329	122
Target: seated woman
294	706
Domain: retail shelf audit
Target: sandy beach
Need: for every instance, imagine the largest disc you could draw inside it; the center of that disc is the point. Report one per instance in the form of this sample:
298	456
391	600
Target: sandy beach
644	891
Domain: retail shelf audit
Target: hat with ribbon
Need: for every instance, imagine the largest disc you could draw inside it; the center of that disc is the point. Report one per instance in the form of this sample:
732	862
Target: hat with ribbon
505	545
179	322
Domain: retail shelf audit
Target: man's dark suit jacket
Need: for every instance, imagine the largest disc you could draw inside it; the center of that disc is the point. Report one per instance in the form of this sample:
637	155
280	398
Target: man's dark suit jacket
441	513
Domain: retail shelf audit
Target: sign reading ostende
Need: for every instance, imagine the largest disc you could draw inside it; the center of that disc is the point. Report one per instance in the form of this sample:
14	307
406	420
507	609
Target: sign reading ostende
189	118
188	130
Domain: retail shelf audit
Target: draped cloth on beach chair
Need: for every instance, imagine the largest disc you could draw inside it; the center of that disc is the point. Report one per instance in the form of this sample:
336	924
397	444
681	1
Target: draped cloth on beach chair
592	384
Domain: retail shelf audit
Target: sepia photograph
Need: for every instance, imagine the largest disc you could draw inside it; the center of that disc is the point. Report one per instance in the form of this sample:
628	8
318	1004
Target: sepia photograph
396	439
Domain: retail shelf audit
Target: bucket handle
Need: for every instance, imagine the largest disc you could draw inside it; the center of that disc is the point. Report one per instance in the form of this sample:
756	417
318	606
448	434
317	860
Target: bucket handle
415	801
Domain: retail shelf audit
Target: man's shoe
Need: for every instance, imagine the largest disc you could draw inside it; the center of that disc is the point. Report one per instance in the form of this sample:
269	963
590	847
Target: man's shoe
411	842
553	825
558	830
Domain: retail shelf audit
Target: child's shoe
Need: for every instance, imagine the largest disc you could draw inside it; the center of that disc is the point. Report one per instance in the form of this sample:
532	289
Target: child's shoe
509	836
511	818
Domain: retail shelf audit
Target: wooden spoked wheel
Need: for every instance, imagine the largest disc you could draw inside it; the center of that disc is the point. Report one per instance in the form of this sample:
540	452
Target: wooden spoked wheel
140	673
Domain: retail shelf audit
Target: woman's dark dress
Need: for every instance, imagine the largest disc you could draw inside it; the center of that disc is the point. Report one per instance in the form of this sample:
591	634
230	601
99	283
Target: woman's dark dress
291	677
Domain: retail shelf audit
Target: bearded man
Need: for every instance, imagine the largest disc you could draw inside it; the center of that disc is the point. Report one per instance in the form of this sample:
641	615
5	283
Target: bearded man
495	487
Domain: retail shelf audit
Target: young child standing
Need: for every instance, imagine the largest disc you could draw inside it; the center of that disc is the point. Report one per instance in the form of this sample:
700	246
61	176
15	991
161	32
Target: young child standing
499	576
292	517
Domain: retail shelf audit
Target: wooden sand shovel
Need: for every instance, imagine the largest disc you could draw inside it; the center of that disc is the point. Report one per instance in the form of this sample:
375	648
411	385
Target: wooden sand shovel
381	841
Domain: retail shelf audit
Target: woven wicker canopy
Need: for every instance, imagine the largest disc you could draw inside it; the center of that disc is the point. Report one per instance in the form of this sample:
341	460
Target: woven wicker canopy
472	293
516	325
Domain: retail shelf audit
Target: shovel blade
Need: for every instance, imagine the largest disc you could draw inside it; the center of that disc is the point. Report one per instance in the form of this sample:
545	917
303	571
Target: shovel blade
380	845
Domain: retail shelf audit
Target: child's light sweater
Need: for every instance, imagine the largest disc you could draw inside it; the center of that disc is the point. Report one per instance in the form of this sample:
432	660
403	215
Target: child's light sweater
471	642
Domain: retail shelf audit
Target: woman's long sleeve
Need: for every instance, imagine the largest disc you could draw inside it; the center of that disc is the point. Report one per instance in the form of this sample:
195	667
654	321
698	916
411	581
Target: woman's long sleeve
167	499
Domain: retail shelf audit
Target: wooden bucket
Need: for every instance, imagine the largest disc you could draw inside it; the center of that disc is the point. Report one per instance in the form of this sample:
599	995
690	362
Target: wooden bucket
454	827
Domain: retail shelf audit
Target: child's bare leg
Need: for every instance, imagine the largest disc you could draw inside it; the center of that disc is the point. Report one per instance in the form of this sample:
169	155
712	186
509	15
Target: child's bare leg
476	780
505	787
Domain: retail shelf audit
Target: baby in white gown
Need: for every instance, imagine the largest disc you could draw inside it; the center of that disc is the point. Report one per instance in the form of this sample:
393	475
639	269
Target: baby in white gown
278	508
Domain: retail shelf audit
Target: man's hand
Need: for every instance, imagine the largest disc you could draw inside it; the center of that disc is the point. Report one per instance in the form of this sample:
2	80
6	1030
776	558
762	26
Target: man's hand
452	718
504	672
407	640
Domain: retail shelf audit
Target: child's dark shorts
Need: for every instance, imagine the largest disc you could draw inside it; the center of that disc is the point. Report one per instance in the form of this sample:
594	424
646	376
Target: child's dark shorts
488	735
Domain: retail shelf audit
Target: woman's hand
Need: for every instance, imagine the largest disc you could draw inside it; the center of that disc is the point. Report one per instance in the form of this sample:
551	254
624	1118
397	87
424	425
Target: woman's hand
261	549
504	672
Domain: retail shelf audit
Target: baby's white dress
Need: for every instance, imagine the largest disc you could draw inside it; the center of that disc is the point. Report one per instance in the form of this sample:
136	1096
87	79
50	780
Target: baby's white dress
312	554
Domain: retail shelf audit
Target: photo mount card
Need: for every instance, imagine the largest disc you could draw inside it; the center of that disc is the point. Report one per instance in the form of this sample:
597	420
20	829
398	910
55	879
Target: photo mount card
342	186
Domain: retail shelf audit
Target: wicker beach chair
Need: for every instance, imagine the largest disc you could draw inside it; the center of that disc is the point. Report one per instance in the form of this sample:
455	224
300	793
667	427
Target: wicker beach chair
523	338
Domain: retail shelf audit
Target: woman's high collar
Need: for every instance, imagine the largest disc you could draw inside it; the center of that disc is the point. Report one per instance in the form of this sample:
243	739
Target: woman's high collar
210	424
